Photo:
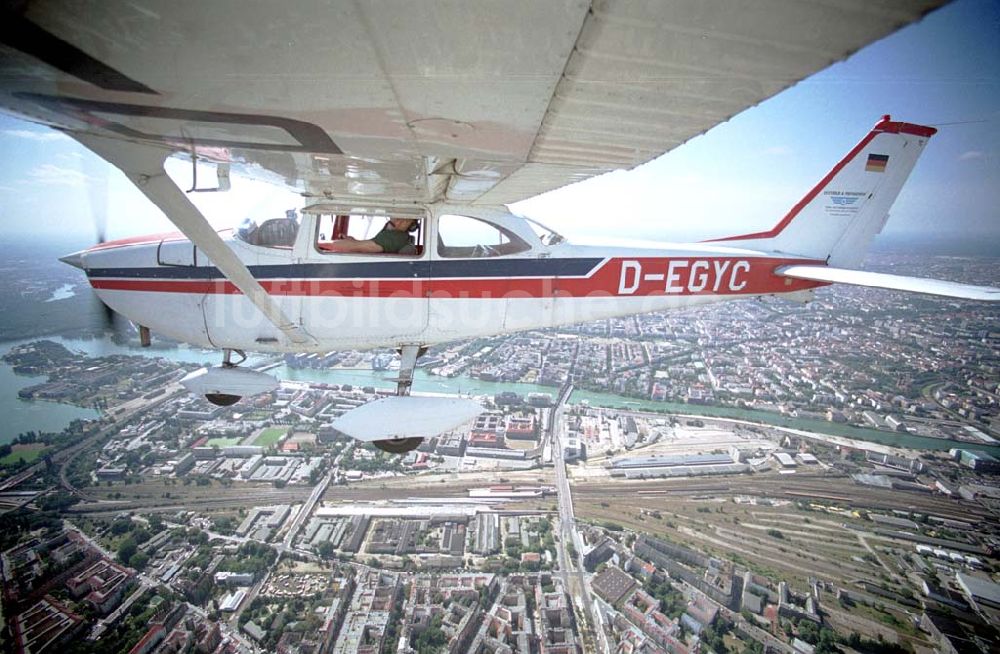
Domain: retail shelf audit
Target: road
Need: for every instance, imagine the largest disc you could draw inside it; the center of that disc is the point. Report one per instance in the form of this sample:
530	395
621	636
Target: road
571	568
106	623
763	637
62	456
125	412
20	499
306	511
286	543
146	583
234	619
930	393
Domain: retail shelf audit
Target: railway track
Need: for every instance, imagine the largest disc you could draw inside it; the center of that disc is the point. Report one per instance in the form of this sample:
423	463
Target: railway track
832	489
248	497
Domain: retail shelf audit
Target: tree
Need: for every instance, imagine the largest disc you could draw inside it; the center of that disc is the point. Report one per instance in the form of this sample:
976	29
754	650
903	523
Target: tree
808	631
827	641
224	524
121	526
126	549
56	501
325	550
433	638
714	637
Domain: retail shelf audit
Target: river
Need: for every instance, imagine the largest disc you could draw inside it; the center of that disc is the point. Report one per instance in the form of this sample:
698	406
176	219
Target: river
23	415
40	415
423	382
910	441
20	415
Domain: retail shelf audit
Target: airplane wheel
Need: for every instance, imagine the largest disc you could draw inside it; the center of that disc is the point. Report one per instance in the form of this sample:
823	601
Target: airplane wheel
398	445
222	399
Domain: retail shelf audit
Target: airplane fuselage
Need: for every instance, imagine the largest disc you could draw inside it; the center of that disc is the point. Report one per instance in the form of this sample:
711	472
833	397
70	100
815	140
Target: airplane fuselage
360	301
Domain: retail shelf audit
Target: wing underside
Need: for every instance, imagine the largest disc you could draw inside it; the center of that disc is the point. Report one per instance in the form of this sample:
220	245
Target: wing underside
473	102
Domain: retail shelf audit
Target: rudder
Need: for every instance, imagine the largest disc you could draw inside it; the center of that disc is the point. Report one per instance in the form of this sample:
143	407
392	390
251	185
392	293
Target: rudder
837	220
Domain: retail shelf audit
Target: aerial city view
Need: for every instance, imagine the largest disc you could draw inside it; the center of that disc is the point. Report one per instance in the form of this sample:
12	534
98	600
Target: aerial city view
767	476
289	362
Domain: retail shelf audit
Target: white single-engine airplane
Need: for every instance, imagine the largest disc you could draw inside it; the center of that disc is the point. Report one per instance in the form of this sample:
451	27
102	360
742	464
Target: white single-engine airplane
494	102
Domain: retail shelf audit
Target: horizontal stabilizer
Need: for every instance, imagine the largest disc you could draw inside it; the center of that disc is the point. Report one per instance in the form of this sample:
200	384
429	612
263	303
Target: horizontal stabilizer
406	417
892	282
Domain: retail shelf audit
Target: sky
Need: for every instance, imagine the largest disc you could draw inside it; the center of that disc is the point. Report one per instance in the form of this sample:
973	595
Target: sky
742	176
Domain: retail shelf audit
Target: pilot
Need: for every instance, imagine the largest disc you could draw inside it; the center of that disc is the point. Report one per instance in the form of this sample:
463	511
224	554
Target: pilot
394	237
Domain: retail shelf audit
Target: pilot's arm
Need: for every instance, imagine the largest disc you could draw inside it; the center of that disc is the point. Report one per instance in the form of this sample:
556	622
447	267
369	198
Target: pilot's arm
393	237
353	245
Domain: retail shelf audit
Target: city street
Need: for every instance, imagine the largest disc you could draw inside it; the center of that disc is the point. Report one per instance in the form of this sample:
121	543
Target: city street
571	567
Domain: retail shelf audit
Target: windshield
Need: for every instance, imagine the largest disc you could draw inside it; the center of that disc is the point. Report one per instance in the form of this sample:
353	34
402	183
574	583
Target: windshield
465	236
272	233
246	230
545	235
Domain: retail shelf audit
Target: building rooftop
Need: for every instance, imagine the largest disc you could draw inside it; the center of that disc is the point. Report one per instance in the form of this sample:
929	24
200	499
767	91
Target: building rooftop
671	460
613	584
43	625
982	590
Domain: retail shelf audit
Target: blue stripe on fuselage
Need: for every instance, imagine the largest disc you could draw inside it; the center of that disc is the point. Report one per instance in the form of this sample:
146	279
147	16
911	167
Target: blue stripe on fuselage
458	268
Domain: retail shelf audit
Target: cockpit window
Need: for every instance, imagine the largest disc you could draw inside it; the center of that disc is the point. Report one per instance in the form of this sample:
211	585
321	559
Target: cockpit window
369	234
462	236
355	226
545	235
272	233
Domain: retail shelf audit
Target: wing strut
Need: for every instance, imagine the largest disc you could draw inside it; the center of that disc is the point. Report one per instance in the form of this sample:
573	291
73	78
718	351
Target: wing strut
143	165
891	282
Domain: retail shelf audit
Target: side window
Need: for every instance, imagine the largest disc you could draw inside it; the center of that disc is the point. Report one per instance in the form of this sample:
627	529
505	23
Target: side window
462	236
369	234
332	228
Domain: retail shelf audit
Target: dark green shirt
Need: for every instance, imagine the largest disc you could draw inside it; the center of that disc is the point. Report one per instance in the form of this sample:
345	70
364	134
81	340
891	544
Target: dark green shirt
391	240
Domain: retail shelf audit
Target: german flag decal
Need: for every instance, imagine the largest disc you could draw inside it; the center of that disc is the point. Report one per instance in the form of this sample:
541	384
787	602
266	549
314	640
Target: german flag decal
876	163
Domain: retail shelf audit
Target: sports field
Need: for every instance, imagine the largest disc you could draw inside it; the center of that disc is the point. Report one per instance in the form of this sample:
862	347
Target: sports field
29	453
270	436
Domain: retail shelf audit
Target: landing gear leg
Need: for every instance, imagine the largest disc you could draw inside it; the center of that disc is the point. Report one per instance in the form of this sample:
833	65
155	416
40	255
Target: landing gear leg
407	363
408	356
226	399
227	356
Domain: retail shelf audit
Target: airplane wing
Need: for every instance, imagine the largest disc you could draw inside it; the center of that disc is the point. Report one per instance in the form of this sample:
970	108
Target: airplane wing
391	100
892	282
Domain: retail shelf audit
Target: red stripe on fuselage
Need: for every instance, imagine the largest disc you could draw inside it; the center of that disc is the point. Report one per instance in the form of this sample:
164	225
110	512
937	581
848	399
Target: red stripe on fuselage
619	277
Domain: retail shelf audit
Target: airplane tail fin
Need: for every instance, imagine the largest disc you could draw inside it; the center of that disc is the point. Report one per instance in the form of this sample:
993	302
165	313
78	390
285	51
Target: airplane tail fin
837	220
